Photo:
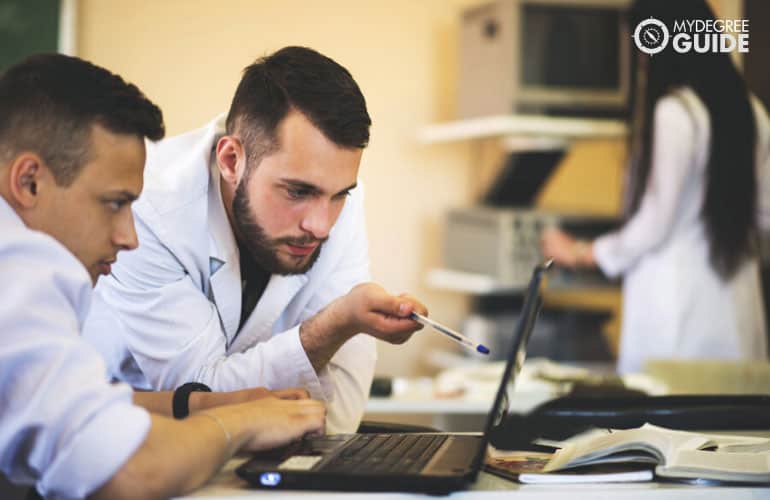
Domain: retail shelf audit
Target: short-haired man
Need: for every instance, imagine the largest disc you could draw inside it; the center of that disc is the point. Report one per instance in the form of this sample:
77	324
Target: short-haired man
252	249
71	162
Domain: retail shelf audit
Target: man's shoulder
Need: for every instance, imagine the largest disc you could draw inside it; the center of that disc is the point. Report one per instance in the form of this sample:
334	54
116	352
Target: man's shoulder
42	265
18	242
176	171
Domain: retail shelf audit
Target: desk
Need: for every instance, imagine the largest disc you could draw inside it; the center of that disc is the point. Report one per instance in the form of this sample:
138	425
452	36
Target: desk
450	415
227	485
415	401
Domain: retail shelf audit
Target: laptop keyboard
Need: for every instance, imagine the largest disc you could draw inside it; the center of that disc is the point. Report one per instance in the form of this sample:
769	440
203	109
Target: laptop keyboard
386	453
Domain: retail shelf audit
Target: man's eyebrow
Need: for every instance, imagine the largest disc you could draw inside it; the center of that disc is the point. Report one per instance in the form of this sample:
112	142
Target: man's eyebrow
312	187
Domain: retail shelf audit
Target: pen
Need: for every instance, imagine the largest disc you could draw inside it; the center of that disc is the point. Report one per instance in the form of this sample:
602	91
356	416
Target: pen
456	336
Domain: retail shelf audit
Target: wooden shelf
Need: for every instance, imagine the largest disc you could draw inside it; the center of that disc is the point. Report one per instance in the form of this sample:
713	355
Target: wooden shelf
535	127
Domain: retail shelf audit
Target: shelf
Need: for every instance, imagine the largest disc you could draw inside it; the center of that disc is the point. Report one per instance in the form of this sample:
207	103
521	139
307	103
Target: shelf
559	284
460	281
530	126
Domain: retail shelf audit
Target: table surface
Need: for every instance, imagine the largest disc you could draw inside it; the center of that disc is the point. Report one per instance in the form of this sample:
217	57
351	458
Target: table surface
419	400
227	485
519	402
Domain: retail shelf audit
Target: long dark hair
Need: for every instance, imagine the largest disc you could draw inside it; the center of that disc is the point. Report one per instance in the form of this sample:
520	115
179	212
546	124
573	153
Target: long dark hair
730	201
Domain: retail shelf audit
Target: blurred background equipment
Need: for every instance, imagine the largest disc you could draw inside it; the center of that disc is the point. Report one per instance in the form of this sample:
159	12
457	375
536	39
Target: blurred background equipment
541	56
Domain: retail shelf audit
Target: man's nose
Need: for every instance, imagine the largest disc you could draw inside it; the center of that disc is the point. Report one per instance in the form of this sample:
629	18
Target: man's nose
319	219
124	236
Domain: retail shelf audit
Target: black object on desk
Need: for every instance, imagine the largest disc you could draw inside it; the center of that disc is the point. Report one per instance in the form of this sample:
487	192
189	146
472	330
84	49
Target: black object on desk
564	417
382	387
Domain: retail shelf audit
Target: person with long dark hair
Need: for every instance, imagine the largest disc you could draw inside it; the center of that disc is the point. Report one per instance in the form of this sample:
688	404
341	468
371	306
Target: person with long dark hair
698	195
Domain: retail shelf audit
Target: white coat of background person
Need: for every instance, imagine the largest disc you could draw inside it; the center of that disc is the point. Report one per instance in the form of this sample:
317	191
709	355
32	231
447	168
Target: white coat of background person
273	181
688	251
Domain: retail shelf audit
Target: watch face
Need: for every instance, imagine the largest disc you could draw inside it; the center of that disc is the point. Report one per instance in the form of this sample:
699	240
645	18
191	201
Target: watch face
651	36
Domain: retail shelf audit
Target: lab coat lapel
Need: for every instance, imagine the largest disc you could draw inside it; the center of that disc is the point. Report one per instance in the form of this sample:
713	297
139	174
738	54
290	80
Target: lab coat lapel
278	294
225	285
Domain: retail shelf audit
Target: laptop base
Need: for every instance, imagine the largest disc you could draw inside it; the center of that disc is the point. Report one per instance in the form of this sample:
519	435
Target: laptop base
449	470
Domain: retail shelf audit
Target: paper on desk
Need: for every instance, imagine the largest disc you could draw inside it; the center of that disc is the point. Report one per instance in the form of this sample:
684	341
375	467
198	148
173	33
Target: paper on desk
480	381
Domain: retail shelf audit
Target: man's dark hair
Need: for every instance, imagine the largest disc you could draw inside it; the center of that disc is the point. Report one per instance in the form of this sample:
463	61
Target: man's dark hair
50	102
302	79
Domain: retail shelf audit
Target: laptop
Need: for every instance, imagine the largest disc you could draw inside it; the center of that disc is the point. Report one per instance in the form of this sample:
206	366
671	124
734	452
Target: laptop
436	463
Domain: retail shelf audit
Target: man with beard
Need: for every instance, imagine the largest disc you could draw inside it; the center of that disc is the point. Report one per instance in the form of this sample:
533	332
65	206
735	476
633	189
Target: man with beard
252	257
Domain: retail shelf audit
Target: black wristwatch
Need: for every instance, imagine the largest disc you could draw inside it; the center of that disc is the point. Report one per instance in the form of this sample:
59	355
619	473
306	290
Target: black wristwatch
180	404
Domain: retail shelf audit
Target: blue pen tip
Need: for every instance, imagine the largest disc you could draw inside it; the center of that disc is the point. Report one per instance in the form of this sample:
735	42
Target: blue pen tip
482	349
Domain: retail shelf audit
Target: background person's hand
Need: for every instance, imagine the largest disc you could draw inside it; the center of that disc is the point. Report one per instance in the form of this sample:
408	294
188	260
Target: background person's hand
559	246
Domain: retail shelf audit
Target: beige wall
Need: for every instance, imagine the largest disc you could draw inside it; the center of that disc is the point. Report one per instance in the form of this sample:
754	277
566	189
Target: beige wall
187	55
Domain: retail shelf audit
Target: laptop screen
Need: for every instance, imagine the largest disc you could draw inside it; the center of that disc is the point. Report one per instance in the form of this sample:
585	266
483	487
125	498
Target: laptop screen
516	356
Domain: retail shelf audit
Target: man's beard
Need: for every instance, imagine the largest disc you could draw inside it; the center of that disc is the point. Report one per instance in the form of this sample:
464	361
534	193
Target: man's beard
263	249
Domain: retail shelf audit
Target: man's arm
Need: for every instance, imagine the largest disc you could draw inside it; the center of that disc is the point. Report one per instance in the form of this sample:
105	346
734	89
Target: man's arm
178	456
160	402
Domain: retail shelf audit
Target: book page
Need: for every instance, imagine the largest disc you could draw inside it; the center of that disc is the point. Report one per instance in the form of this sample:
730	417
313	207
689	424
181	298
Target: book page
649	443
741	463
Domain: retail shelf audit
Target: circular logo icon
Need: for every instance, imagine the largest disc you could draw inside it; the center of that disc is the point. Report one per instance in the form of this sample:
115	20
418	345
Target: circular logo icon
651	36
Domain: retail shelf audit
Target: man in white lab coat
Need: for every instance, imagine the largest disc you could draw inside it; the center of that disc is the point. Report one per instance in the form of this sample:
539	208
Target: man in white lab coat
71	162
252	249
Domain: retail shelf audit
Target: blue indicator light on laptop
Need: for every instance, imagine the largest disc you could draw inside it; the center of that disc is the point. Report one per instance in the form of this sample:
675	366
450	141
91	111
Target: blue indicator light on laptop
270	478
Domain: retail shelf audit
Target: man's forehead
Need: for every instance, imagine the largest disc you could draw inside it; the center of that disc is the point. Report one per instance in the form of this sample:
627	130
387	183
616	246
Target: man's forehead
115	161
316	177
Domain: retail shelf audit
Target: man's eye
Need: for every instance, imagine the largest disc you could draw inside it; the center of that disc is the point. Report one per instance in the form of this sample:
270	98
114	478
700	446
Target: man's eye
298	193
115	205
343	195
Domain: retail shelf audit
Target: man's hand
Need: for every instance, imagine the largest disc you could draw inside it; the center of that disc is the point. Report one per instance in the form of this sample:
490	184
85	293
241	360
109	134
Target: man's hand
367	308
273	422
202	400
372	310
178	456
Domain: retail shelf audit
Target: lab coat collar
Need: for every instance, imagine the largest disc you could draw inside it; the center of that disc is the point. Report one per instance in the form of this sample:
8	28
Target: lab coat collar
224	258
225	277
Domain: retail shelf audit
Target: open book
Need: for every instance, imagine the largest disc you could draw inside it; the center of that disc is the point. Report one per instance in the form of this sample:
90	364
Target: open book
676	453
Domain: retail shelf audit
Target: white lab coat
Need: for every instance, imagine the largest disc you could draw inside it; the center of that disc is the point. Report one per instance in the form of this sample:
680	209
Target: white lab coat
63	427
169	312
674	303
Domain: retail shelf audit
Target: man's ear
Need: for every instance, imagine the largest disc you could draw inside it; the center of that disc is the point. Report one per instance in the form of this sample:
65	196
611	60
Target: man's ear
25	175
231	159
